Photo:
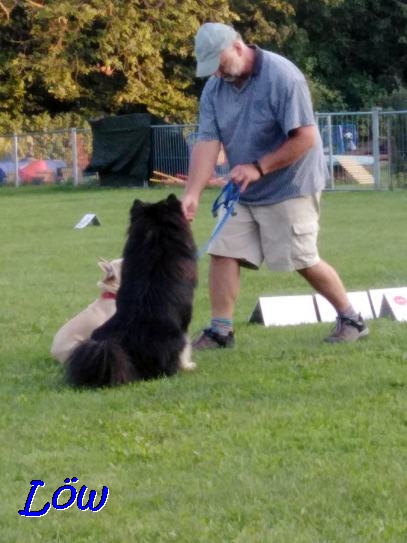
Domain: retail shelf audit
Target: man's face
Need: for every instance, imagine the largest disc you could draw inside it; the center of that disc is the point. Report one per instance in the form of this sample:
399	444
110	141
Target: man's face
231	64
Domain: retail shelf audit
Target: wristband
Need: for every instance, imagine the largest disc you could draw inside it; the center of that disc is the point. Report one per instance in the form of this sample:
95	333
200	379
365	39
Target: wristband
258	167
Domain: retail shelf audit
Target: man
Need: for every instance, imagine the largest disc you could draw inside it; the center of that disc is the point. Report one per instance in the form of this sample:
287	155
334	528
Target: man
257	104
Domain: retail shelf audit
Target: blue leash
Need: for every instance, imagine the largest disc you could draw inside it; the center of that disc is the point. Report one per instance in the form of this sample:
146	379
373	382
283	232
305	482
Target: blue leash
227	199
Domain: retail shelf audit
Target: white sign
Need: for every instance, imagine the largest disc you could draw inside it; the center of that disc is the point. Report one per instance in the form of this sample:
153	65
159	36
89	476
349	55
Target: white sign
284	310
394	304
376	296
89	218
360	302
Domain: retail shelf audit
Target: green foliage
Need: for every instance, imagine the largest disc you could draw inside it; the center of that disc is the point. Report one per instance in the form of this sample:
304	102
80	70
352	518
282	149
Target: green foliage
283	439
397	100
265	21
63	61
353	52
97	57
358	48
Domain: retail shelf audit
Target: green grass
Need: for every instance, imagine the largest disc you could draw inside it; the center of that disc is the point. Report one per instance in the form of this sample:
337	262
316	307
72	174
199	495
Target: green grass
284	439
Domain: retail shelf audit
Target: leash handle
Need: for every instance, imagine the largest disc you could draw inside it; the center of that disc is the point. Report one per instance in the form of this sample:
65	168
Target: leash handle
227	198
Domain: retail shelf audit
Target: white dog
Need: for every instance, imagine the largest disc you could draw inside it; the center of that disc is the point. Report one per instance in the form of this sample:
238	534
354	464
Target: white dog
97	313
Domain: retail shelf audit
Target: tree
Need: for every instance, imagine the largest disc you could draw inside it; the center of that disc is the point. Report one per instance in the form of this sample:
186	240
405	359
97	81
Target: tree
99	57
277	26
356	48
354	52
75	59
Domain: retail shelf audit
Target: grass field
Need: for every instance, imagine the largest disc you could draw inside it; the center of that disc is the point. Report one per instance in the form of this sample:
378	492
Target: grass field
284	439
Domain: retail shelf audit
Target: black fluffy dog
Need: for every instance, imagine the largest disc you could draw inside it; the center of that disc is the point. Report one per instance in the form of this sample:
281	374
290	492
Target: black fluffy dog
147	336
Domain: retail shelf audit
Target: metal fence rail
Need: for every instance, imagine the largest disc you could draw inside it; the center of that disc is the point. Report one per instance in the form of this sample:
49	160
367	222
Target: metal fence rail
364	150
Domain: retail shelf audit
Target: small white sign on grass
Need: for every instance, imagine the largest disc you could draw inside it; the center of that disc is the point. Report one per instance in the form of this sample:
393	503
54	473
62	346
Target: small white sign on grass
359	300
376	296
88	219
284	310
394	304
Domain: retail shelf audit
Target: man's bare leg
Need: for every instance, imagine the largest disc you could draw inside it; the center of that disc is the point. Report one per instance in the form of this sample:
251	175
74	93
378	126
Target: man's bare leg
325	280
350	326
224	286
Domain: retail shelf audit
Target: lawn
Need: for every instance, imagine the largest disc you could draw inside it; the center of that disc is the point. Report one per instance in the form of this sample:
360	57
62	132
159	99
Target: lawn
284	439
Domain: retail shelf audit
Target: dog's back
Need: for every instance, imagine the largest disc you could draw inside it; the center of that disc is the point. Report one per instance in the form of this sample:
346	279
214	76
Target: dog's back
146	338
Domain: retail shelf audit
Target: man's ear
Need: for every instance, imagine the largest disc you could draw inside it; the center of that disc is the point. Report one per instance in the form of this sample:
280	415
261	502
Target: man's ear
238	46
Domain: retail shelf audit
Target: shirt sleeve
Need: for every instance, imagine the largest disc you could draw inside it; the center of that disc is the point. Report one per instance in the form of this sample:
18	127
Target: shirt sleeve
296	106
208	127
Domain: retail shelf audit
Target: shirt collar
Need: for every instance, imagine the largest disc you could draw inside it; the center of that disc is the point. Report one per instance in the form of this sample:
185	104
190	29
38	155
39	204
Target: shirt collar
258	59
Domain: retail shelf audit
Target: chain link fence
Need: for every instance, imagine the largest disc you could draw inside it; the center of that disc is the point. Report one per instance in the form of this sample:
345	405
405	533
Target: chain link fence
364	150
58	156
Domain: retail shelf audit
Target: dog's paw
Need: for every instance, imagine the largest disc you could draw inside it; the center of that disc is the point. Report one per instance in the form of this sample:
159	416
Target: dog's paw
187	366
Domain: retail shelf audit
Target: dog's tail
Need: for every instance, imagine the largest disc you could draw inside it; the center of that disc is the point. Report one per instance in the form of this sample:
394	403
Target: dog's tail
99	363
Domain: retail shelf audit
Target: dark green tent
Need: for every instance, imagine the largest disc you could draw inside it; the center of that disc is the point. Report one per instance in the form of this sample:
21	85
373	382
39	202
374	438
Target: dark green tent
121	149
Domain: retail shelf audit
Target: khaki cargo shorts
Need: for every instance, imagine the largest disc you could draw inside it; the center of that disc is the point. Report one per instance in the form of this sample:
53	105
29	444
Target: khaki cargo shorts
283	235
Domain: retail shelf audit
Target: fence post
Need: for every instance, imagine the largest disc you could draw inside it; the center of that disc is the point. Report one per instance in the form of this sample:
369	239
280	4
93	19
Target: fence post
331	159
320	118
15	159
376	146
74	148
389	152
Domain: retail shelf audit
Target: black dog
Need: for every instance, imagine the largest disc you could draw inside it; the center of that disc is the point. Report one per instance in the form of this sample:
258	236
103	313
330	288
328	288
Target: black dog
147	336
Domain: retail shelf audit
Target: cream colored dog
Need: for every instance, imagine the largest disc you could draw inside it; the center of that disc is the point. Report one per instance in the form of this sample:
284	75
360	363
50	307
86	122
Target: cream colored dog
97	313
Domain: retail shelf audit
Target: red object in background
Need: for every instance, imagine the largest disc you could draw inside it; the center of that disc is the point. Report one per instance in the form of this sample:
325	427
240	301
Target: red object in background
36	171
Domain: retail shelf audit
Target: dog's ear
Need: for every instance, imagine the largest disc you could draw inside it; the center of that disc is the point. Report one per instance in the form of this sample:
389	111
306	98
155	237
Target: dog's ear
171	199
137	205
111	274
173	203
106	267
116	266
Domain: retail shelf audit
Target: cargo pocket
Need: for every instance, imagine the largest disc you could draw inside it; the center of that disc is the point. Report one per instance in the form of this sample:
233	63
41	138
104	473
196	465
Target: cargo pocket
304	250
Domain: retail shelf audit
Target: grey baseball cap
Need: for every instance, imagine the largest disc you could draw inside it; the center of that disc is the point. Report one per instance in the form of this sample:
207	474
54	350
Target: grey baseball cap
210	40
